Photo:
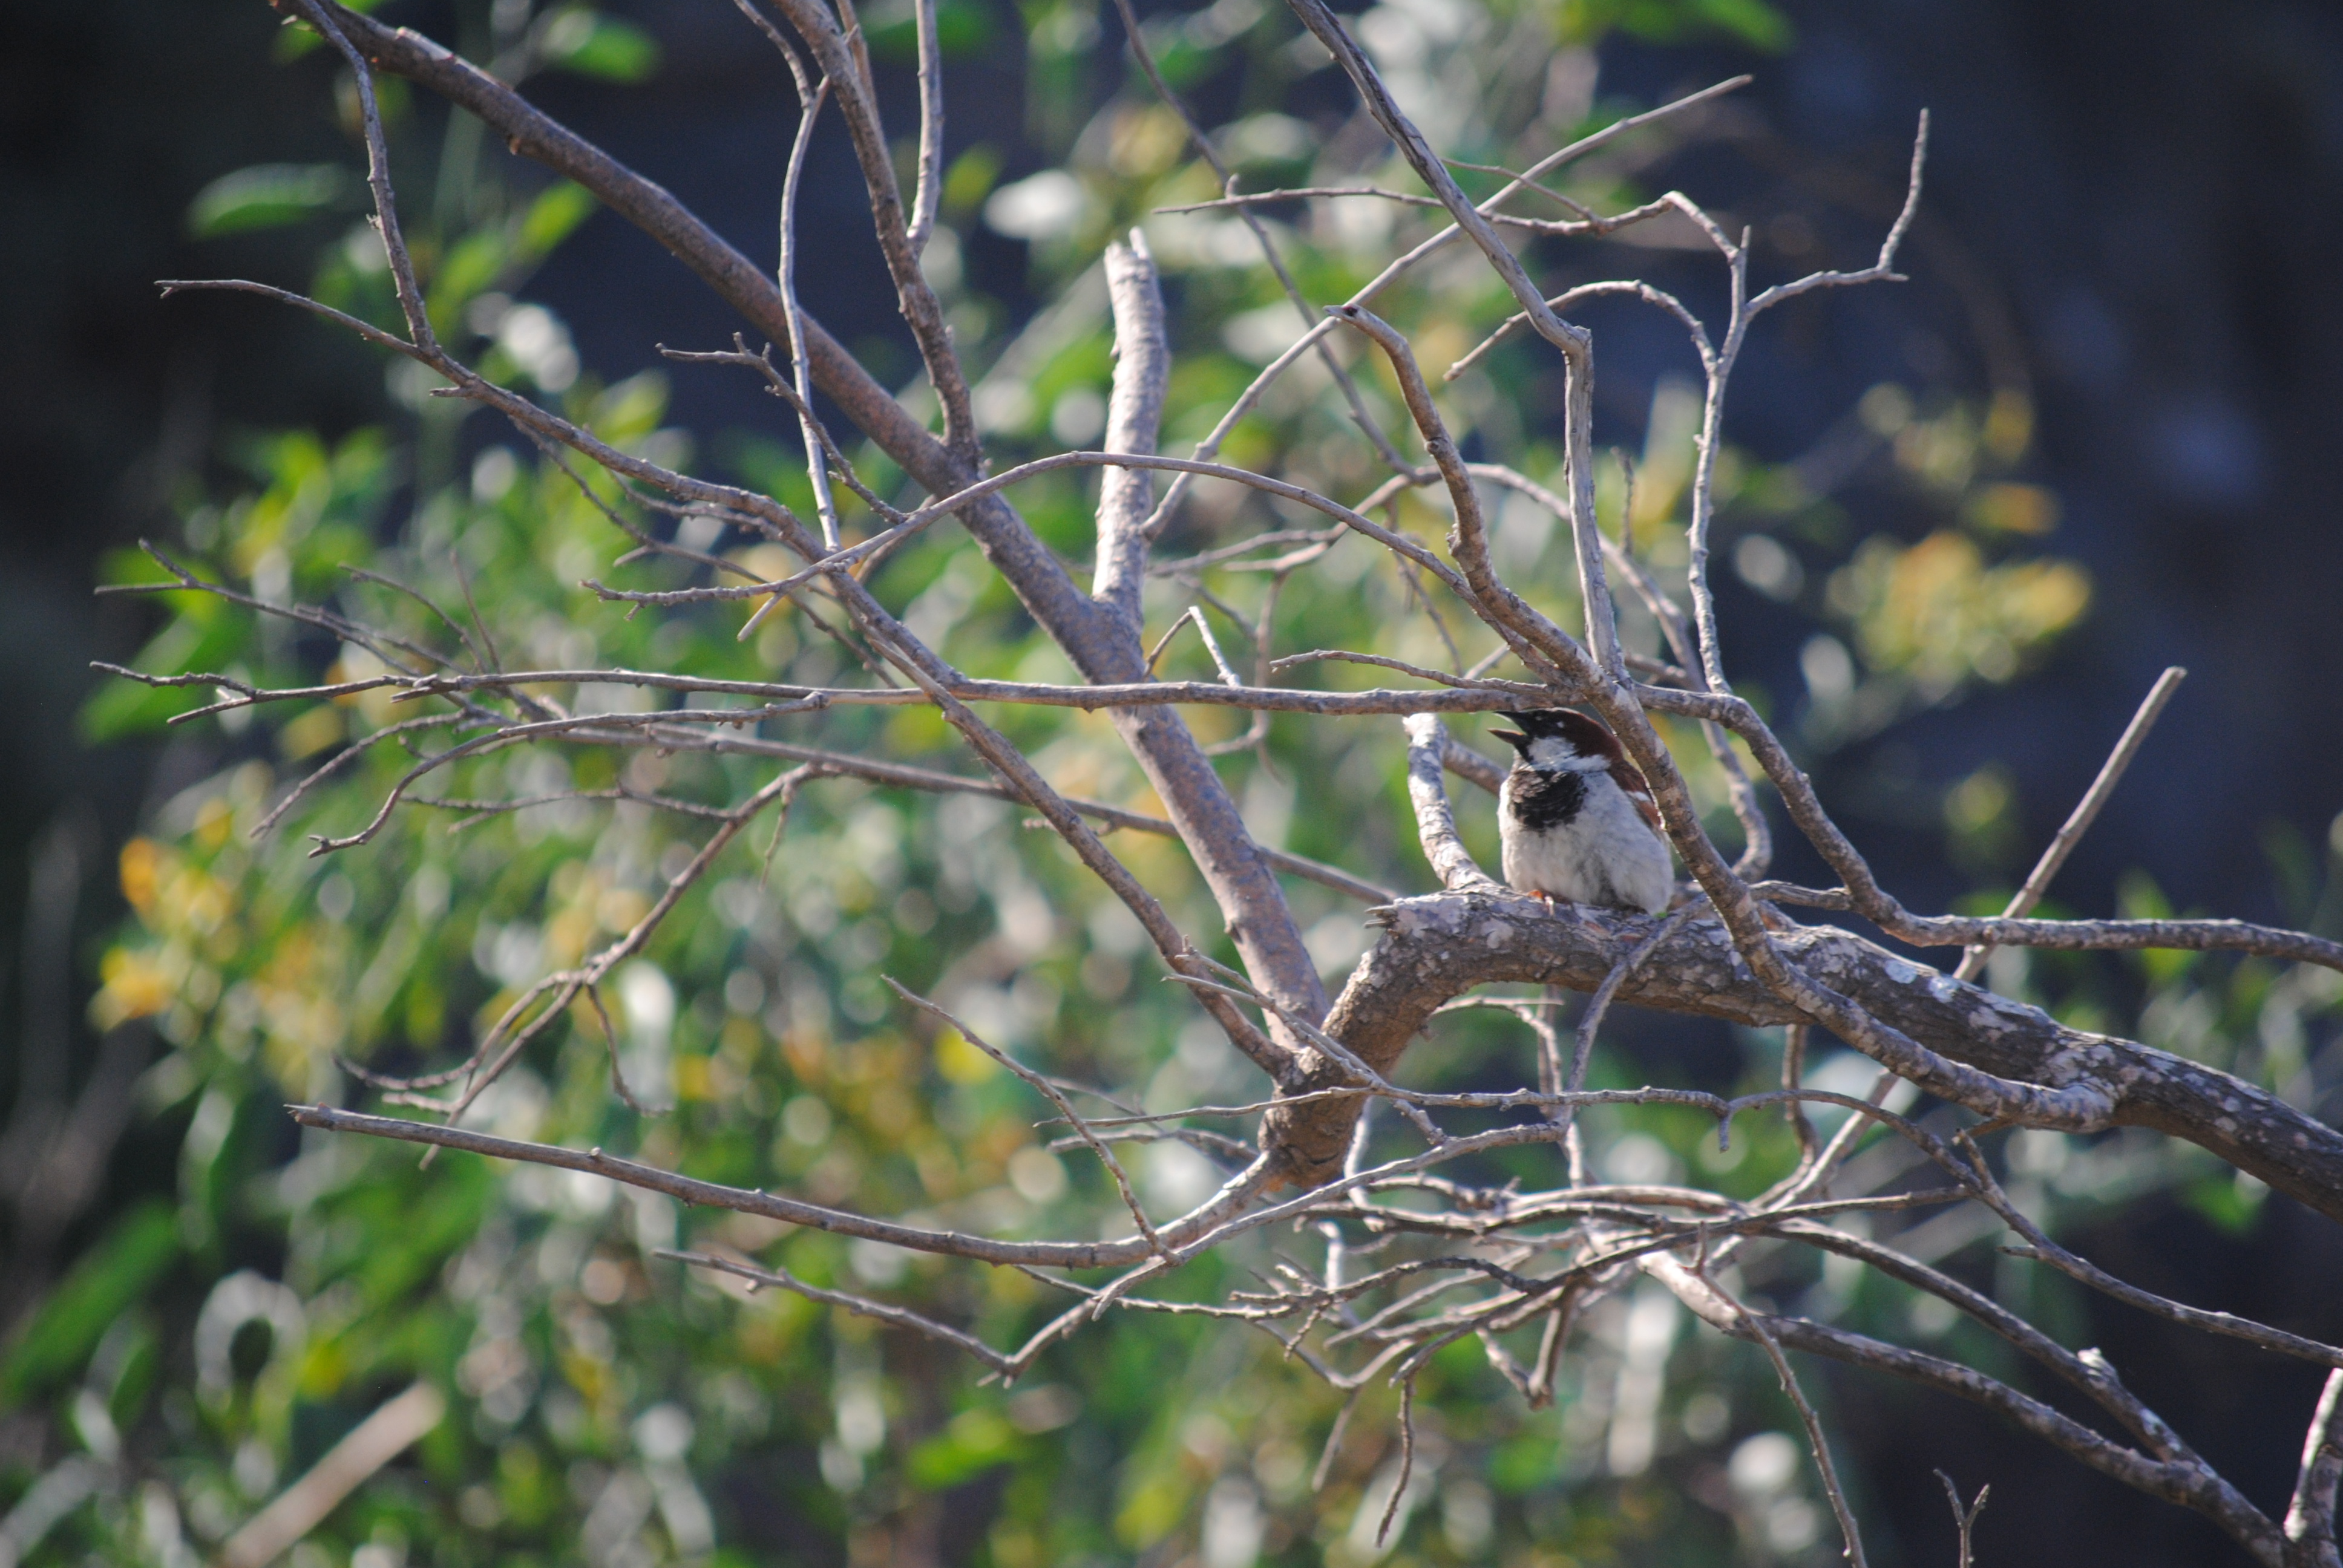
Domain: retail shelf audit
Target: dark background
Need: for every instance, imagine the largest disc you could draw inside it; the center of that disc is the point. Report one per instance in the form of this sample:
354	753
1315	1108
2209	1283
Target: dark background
2136	212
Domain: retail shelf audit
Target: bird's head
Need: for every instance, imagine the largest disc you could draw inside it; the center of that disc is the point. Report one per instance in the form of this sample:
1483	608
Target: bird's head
1559	738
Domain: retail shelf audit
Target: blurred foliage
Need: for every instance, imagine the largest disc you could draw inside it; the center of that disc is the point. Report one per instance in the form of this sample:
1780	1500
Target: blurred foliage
605	1407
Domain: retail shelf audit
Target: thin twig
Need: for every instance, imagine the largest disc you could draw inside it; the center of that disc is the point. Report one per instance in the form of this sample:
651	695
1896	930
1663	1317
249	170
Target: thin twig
1406	1459
1813	1423
1136	38
1056	1097
1583	1044
862	1306
1965	1518
2087	811
1399	267
927	193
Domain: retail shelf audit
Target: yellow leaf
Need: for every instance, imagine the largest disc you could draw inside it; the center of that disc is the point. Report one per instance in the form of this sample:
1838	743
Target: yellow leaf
959	1061
142	861
312	732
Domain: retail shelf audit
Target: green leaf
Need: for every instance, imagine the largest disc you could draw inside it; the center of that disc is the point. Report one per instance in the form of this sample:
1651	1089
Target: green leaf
970	177
556	211
1752	23
1524	1463
975	1441
114	1275
2137	897
2231	1200
631	409
596	45
197	636
474	262
266	196
963	30
299	38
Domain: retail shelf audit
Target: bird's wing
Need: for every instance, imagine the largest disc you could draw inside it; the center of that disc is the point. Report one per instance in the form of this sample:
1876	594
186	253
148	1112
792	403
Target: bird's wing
1630	780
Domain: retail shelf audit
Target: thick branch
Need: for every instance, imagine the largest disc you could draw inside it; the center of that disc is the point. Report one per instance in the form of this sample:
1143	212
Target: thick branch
1437	948
2078	1106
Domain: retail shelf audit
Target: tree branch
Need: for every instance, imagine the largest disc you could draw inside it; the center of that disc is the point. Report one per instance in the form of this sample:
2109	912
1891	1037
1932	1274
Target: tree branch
2193	1485
1142	370
691	1190
1241	880
2087	811
2310	1516
1435	824
1439	947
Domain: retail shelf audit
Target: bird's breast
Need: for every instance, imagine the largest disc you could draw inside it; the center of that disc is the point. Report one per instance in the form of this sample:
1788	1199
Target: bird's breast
1542	799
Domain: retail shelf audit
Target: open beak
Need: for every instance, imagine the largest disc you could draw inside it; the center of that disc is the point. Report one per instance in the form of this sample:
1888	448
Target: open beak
1511	737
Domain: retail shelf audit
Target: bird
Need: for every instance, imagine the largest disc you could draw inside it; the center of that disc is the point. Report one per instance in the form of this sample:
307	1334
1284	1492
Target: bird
1575	818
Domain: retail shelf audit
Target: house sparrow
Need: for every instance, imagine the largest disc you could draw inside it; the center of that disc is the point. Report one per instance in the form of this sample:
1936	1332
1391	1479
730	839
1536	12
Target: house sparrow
1576	819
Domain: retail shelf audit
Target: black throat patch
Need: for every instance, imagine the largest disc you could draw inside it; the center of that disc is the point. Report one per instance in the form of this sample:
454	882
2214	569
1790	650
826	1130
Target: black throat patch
1543	800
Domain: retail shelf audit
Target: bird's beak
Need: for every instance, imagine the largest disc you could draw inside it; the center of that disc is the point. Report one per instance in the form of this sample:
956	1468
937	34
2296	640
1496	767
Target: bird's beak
1511	737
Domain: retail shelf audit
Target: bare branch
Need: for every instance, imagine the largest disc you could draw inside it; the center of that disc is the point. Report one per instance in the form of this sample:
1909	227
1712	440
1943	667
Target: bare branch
1599	1004
1136	38
810	98
1793	1074
1232	866
1573	342
1403	264
2087	811
1436	948
1056	1097
1633	287
1862	895
691	1190
1273	1057
837	54
1468	539
2042	1249
326	620
928	193
2191	1486
386	206
1142	370
1591	225
1814	1439
2087	1370
1519	690
1419	1252
566	985
2311	1513
1427	742
1720	364
1880	271
862	1306
1963	1518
